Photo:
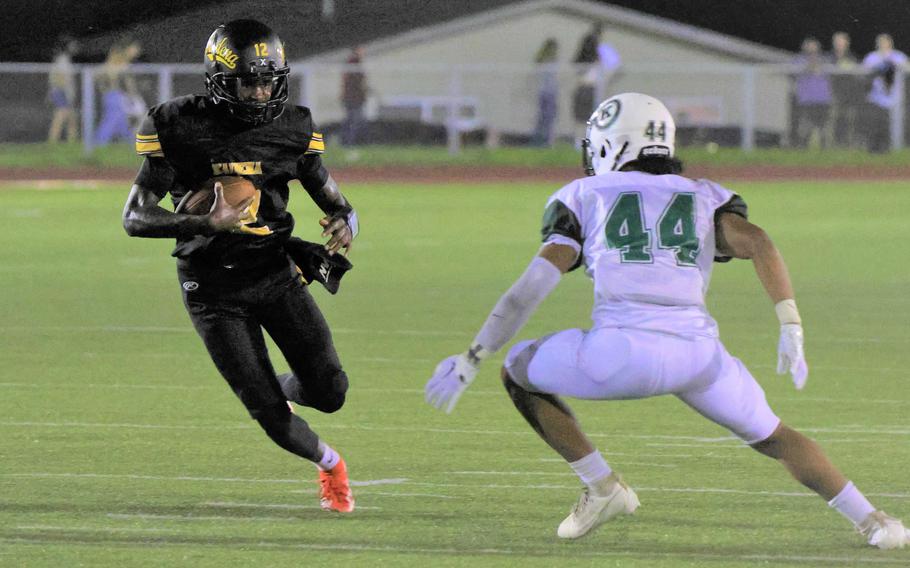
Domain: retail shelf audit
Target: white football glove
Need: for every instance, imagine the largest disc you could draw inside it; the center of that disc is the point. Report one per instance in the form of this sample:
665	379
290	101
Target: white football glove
450	378
790	356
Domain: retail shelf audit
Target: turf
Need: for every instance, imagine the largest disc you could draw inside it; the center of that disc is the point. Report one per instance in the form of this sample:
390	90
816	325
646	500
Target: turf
121	446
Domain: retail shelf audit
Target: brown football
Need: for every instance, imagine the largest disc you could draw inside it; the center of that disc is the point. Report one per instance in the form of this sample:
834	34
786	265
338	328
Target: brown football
237	189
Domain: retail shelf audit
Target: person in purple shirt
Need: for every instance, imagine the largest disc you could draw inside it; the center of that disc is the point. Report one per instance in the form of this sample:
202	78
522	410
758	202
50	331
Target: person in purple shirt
884	63
813	96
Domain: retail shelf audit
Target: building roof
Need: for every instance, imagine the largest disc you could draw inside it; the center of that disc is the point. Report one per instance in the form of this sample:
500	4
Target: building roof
591	11
390	24
301	25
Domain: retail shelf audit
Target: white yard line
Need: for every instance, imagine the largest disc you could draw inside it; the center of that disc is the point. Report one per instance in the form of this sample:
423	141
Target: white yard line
45	184
126	328
232	426
724	442
608	453
410	483
134	328
137	477
219	518
277	506
90	529
715	447
392	494
390	481
693	490
852	400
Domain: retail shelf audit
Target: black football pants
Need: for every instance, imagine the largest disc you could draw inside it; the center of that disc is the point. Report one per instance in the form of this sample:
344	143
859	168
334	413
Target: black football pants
230	318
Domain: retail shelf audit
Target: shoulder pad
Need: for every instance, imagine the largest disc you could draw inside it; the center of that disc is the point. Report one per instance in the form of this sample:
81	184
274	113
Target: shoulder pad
147	143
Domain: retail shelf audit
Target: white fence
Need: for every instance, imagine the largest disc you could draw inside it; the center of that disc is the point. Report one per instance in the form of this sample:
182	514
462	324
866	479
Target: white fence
744	105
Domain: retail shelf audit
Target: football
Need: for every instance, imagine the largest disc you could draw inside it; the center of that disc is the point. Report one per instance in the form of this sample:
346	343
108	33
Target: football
237	189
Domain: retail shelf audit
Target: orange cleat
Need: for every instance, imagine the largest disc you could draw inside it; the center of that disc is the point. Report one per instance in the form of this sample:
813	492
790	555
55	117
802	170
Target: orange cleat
334	489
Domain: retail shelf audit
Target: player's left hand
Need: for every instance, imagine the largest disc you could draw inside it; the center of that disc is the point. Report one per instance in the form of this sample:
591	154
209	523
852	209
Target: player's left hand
790	355
339	233
450	379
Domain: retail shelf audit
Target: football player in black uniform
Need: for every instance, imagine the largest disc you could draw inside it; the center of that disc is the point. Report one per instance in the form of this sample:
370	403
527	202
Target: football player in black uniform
233	262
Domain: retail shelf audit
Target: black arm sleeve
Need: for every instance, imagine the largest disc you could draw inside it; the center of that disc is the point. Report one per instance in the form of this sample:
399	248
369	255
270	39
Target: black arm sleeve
156	175
735	205
311	173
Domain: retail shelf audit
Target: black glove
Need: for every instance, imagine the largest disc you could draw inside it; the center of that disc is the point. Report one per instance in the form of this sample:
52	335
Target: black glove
316	264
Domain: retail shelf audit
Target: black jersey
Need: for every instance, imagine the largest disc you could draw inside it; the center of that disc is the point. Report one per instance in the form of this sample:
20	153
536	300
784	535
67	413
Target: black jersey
188	140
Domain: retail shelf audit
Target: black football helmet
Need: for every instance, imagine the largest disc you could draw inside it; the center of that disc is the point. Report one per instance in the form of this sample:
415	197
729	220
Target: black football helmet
243	55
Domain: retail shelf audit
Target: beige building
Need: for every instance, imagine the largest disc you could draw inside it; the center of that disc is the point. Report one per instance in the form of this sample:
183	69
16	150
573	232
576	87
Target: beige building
484	61
477	60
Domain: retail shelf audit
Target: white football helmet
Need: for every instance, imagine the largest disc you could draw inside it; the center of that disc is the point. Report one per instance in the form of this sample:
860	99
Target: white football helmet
624	128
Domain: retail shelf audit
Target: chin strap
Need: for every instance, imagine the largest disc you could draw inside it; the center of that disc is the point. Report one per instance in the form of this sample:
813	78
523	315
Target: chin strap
619	155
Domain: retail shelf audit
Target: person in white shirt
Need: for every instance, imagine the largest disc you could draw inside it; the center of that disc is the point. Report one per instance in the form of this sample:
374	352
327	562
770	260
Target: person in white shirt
884	64
647	237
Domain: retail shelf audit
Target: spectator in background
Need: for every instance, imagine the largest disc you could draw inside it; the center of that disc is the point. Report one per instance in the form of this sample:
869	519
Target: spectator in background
884	64
598	61
353	97
847	90
547	92
62	92
119	93
585	60
813	96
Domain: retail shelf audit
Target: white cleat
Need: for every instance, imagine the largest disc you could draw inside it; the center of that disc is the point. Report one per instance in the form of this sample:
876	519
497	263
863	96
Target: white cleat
592	511
883	531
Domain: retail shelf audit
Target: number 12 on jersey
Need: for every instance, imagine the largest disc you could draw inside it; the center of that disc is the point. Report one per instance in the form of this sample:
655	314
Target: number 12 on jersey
626	229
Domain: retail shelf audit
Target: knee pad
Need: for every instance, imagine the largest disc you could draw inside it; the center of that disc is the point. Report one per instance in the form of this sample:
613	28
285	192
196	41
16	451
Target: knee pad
333	399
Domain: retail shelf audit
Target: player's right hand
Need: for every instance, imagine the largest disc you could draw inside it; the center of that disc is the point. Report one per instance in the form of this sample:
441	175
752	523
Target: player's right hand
790	355
450	379
226	217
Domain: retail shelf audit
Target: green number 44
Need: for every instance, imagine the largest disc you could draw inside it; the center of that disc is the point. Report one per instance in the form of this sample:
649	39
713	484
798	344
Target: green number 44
627	231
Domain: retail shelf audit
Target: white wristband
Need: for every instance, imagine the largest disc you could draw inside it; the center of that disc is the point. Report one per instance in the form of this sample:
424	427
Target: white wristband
787	312
353	223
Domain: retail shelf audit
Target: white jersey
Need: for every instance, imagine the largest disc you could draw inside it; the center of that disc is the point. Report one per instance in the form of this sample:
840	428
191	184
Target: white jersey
648	242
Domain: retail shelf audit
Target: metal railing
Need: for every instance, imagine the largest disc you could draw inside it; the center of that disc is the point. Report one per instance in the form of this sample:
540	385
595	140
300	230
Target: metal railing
750	104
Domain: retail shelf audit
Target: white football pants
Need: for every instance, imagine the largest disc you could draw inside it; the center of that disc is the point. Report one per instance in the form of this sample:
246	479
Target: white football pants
612	364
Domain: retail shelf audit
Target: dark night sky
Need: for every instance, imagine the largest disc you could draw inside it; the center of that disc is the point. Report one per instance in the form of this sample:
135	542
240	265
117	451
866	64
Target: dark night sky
29	27
784	23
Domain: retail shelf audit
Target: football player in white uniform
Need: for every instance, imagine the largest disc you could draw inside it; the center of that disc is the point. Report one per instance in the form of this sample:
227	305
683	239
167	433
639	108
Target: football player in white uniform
647	237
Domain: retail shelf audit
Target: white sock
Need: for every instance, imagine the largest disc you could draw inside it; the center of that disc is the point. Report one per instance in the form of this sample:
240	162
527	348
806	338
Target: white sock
591	468
852	504
330	457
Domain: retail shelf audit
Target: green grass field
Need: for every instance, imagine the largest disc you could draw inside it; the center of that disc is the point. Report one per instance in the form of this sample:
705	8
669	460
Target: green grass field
121	446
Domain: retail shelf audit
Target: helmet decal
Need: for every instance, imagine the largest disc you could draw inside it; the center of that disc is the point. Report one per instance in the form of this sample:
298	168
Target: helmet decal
222	54
607	114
